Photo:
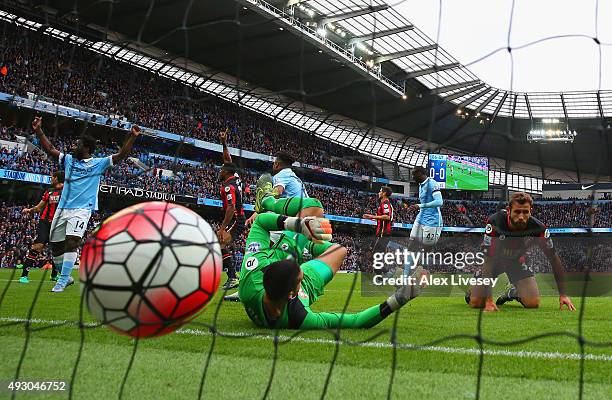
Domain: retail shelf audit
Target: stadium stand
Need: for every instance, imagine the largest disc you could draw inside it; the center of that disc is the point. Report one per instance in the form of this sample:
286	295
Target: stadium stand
100	84
200	181
115	88
17	233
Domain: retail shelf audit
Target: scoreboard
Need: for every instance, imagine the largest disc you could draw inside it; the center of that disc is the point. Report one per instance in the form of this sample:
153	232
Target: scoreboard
459	172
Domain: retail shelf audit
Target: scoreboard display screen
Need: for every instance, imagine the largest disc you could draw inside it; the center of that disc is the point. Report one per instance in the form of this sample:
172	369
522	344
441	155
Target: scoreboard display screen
459	172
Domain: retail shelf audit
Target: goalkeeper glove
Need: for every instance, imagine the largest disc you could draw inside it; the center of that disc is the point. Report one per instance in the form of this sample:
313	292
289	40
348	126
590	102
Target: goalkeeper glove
315	229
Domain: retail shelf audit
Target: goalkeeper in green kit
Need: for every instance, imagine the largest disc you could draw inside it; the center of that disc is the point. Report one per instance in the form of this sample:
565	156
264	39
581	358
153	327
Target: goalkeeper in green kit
277	291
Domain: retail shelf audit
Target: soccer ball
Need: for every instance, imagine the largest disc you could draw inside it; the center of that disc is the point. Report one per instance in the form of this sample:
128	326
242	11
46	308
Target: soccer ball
150	268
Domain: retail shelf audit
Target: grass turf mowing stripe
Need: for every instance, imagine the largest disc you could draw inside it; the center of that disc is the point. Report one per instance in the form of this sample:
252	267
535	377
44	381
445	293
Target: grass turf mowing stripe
406	346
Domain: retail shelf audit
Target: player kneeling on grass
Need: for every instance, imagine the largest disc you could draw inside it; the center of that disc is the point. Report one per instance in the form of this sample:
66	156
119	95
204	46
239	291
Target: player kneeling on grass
277	292
508	235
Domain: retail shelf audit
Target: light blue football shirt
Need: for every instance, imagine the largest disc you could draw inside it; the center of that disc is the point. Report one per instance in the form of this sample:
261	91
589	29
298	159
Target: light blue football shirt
82	181
429	216
292	184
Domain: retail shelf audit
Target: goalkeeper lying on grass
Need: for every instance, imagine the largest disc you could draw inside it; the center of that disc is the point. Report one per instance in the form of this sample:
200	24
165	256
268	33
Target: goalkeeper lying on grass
277	291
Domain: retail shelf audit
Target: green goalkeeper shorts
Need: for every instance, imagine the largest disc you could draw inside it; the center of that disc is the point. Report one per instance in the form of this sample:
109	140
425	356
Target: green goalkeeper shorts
291	206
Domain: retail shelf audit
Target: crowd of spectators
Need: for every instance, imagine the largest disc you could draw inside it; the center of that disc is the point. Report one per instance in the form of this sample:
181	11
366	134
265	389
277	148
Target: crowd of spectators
574	253
69	74
182	178
35	162
18	230
9	133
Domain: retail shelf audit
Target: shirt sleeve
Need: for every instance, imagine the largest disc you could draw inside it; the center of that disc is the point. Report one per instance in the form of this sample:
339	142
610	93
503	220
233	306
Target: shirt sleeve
229	192
436	202
64	159
545	242
488	238
105	163
45	197
435	187
281	179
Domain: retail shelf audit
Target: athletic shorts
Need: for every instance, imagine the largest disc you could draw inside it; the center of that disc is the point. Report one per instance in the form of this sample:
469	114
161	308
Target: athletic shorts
69	222
515	271
317	274
42	232
381	243
236	227
427	235
291	206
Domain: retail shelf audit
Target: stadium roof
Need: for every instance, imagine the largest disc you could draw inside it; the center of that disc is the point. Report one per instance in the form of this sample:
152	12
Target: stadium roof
356	60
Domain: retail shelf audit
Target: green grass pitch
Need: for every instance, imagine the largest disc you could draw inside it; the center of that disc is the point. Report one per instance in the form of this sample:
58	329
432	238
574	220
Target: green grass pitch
240	368
479	180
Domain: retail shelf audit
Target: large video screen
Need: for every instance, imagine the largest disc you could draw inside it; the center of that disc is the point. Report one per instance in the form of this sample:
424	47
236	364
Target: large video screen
459	172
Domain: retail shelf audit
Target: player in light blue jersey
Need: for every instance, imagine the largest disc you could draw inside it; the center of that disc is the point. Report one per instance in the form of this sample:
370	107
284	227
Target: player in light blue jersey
428	222
79	196
284	193
285	182
427	225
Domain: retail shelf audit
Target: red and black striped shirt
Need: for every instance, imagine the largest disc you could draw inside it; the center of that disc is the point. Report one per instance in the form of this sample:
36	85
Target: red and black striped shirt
231	193
506	245
383	228
51	197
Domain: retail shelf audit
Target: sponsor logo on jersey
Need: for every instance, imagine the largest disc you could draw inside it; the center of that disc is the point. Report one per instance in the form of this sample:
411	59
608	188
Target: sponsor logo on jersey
284	246
487	240
251	263
302	294
489	228
254	247
227	188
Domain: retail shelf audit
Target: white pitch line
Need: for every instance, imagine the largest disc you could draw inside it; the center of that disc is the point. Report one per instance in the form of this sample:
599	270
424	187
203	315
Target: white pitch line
382	345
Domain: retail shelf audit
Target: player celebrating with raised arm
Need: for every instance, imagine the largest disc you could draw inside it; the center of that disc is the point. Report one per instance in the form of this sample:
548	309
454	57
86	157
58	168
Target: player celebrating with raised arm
80	195
46	207
508	235
233	222
277	292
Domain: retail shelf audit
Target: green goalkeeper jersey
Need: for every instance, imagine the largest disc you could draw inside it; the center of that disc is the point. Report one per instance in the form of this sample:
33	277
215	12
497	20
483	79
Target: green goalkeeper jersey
251	289
260	252
297	314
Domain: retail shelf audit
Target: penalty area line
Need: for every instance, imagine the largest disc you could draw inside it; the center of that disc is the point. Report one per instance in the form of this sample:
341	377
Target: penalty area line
382	345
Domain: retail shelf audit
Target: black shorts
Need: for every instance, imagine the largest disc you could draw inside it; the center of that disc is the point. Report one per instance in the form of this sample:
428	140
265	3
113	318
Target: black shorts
515	271
381	243
42	232
236	227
